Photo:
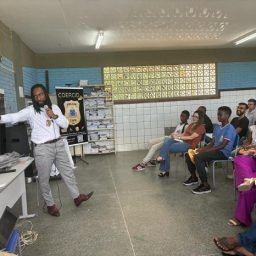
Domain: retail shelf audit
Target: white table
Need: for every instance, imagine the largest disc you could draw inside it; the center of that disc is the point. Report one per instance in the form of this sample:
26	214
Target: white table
13	186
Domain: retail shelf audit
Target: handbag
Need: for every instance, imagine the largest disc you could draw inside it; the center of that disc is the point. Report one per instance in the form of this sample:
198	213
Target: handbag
192	153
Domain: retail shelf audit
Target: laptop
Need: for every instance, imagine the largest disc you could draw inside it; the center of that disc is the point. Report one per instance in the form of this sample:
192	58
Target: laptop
7	224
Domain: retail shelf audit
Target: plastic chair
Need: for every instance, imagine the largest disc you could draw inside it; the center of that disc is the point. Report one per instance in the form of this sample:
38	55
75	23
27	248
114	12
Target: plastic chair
229	160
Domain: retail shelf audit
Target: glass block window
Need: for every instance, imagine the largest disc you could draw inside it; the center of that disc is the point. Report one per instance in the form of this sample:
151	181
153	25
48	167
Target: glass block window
163	82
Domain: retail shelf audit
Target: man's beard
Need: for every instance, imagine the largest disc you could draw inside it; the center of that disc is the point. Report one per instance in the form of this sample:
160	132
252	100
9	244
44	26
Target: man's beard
239	113
41	105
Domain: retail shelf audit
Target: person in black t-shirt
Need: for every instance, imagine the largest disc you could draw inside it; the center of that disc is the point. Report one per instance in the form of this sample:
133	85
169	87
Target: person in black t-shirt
241	122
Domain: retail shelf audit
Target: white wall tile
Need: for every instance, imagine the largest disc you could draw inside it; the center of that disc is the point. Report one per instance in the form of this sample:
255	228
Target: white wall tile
147	132
127	140
141	139
133	119
119	126
134	132
140	133
147	124
134	139
147	118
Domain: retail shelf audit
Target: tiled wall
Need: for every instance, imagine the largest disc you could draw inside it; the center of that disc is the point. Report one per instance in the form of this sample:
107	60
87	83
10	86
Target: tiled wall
60	76
236	75
7	83
136	124
29	79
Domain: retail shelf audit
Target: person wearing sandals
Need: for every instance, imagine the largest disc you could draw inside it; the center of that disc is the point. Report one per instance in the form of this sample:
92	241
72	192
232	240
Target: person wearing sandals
244	174
244	244
157	143
180	143
219	148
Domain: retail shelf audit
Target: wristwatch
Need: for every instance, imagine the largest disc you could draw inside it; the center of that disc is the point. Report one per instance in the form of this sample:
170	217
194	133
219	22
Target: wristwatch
55	117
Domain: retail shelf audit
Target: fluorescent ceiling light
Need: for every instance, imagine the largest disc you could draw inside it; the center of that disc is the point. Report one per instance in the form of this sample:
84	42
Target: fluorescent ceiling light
99	40
245	39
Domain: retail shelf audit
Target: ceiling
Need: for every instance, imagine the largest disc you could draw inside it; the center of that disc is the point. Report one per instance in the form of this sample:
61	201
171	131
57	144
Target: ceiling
62	26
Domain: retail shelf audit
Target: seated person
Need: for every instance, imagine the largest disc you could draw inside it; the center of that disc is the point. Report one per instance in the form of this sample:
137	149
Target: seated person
180	143
157	143
251	136
243	244
241	122
218	149
207	120
251	112
245	167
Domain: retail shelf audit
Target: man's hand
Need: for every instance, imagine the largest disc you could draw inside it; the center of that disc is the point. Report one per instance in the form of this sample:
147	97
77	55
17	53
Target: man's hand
50	113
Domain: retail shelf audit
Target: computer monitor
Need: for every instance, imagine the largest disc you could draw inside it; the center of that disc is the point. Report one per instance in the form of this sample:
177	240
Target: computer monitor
2	126
7	224
2	139
17	139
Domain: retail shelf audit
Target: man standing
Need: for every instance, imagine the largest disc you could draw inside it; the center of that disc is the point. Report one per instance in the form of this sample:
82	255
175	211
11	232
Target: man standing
241	122
251	113
45	120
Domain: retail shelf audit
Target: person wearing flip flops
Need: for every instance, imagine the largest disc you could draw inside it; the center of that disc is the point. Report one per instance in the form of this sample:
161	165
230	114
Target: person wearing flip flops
243	244
244	174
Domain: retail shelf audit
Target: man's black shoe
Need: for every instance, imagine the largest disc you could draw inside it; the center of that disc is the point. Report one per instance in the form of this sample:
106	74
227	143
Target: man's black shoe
190	181
202	189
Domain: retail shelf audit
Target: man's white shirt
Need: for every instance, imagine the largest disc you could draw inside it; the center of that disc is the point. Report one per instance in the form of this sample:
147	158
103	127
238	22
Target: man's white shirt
43	128
251	116
180	126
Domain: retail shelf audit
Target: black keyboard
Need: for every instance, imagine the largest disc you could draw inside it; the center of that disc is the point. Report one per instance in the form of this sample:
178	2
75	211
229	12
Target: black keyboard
7	170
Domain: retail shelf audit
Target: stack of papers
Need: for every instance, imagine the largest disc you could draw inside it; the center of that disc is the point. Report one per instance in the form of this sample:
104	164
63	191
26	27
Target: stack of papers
9	159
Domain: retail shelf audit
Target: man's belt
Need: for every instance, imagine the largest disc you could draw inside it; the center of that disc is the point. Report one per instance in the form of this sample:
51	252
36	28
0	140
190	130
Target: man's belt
49	141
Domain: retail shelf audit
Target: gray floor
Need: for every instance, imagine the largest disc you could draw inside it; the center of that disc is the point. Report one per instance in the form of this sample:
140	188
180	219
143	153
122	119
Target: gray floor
132	213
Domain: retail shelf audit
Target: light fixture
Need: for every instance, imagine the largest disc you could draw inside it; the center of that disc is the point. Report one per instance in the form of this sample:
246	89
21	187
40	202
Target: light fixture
99	39
245	39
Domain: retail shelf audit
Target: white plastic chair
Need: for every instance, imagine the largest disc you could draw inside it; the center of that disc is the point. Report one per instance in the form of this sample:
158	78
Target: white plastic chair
229	160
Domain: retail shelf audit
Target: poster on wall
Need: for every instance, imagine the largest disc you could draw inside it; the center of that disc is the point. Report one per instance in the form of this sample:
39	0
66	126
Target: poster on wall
70	101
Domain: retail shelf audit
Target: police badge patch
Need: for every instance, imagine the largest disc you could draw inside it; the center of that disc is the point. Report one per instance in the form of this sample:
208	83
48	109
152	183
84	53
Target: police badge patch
72	112
48	122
